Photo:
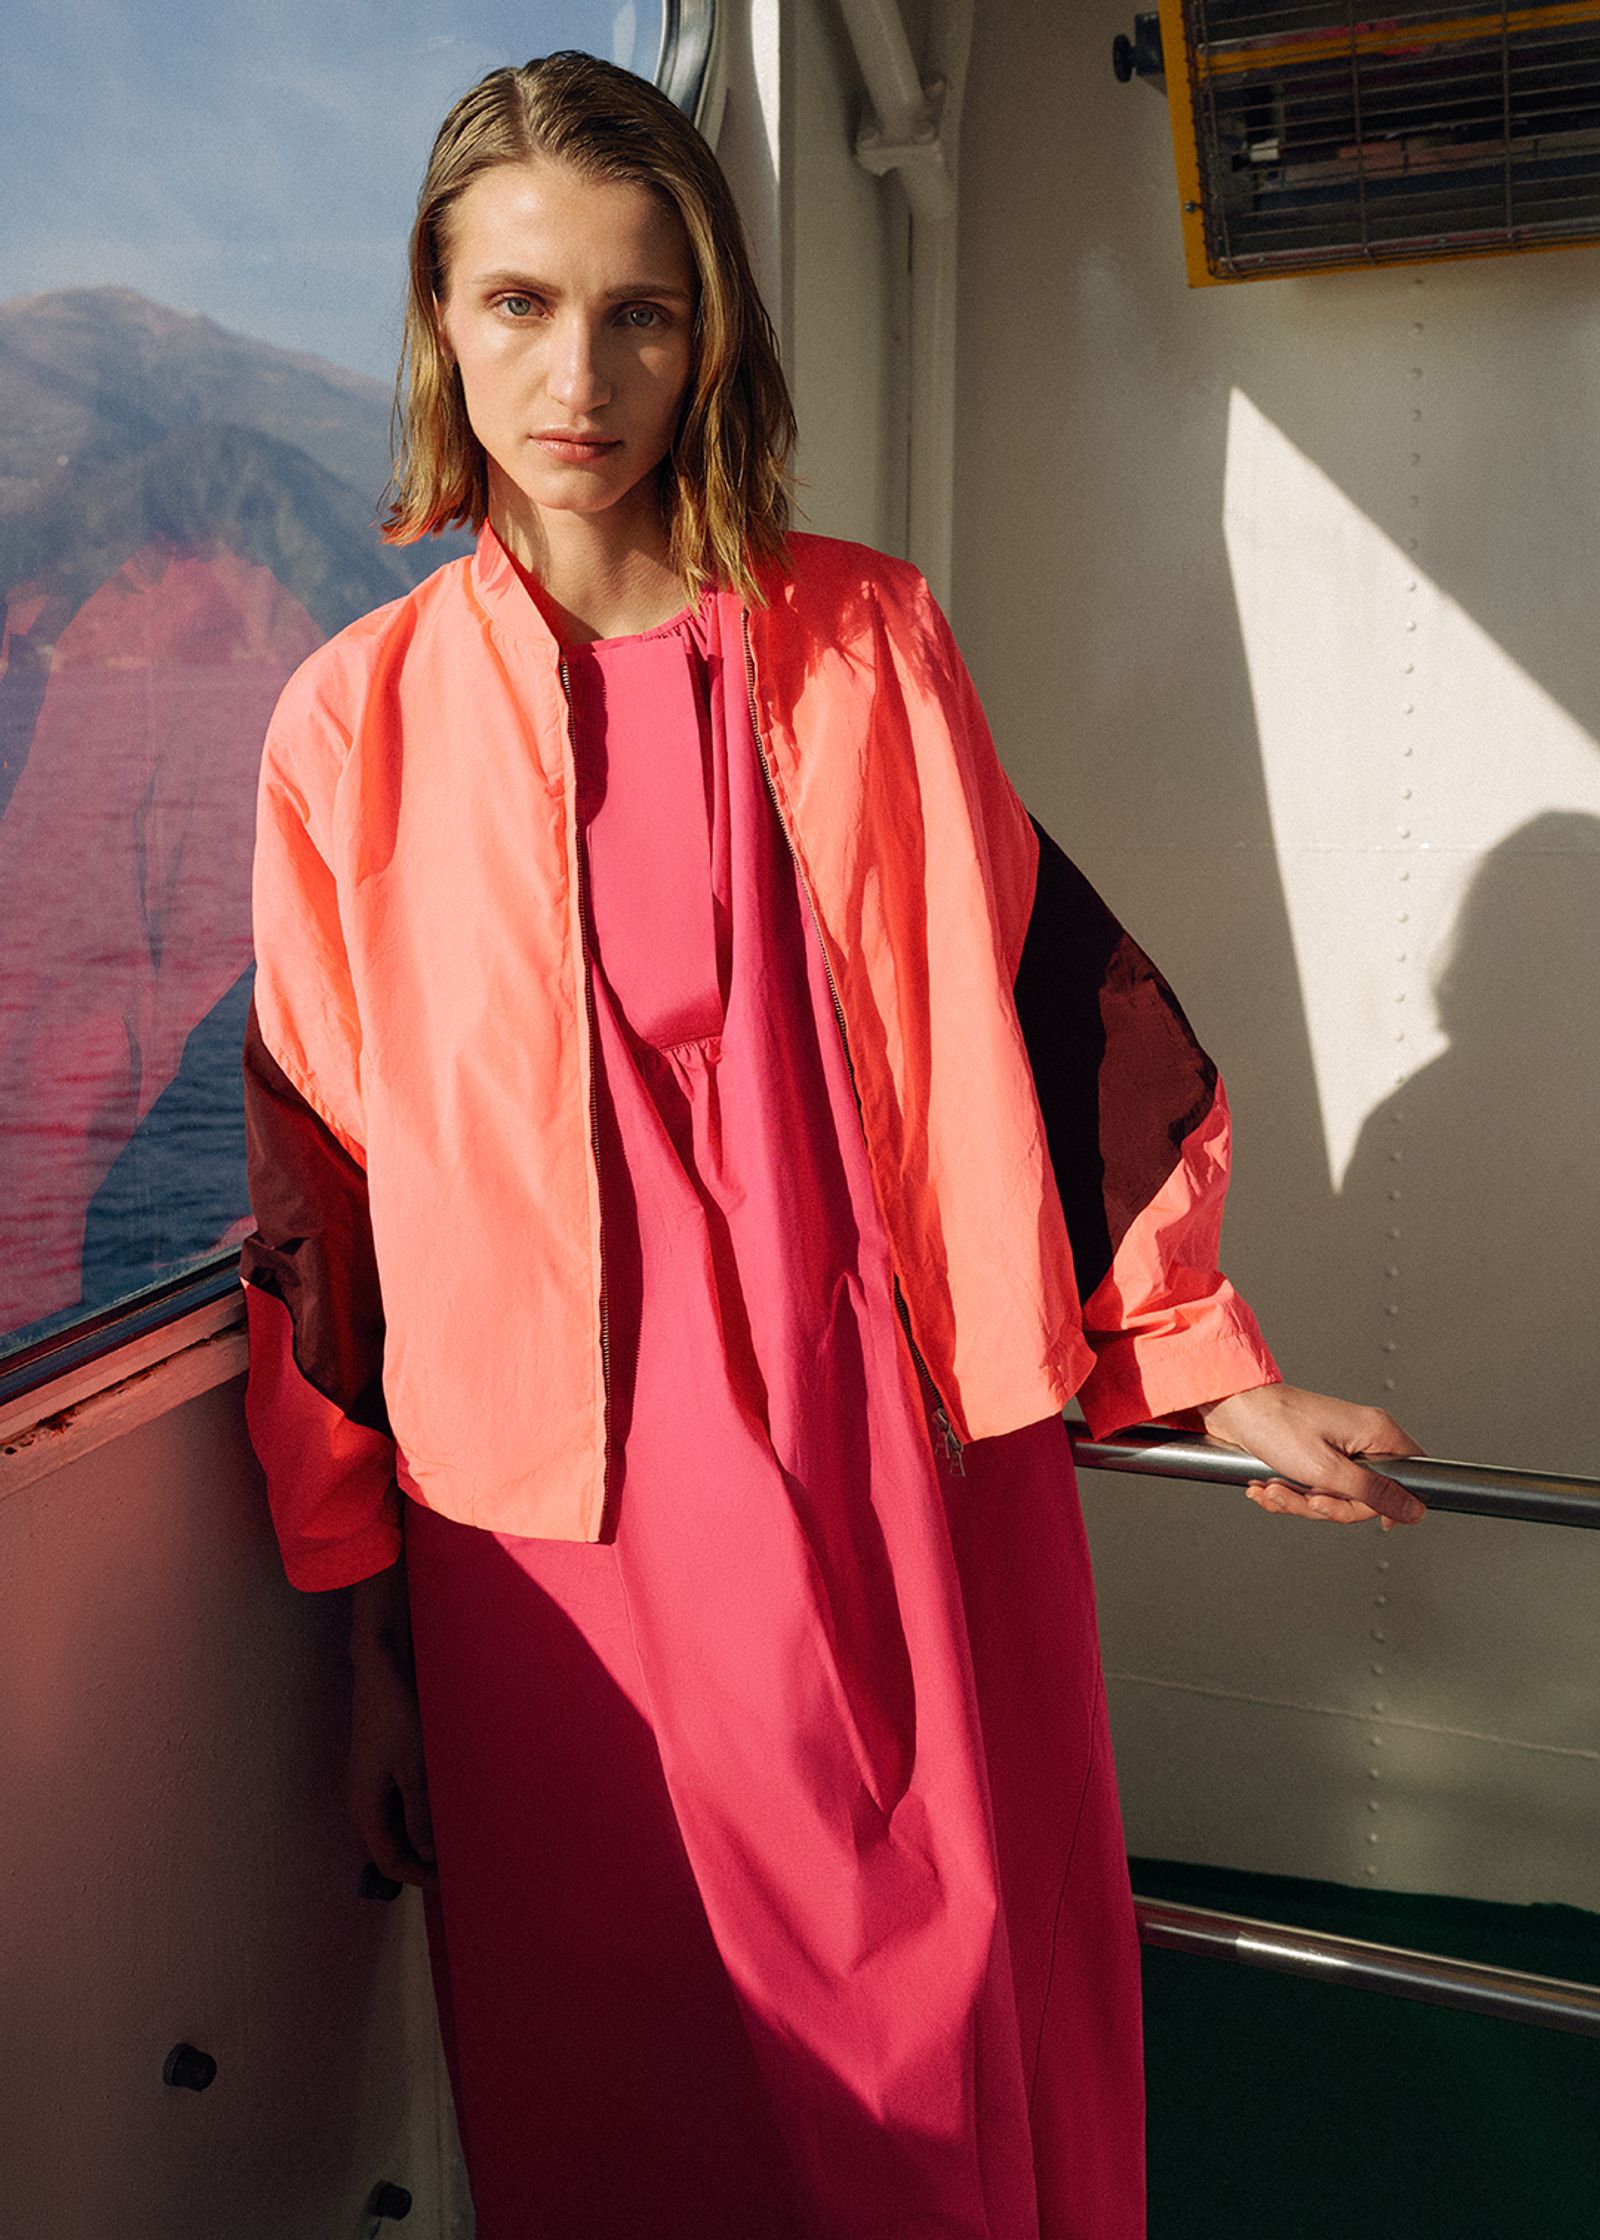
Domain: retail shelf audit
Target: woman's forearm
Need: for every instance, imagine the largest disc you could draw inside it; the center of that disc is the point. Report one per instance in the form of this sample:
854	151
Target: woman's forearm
380	1617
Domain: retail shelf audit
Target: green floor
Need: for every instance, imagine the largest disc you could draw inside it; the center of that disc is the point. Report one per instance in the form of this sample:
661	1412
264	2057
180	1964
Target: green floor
1291	2110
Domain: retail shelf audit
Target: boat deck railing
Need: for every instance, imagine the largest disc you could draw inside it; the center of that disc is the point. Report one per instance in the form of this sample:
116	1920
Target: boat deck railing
1470	1489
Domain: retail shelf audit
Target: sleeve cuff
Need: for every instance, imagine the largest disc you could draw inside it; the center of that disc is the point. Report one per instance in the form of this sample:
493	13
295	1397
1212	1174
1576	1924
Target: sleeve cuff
316	1570
1140	1376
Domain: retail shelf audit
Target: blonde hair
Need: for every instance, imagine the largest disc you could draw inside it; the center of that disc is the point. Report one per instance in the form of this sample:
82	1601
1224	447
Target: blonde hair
724	484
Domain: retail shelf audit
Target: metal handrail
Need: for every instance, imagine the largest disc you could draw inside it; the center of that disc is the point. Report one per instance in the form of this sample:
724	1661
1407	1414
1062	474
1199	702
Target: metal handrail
1439	1982
1472	1489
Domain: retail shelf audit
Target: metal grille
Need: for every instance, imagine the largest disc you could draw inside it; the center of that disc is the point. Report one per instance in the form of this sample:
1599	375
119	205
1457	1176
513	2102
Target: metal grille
1331	137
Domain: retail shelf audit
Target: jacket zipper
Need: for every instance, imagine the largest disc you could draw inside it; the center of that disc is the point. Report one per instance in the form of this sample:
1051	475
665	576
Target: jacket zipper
586	929
949	1444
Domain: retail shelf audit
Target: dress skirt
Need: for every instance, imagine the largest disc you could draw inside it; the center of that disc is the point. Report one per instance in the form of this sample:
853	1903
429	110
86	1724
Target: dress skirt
781	1884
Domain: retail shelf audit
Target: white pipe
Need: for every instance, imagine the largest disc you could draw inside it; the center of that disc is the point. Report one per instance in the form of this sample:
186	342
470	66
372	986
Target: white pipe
916	133
883	54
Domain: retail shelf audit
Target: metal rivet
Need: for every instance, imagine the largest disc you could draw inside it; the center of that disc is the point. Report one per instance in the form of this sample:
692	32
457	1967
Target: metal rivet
189	2068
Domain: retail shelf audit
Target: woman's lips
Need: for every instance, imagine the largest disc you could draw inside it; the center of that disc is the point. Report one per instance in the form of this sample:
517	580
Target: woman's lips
578	451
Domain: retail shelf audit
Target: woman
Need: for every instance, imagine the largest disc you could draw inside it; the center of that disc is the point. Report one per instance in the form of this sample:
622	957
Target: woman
702	1133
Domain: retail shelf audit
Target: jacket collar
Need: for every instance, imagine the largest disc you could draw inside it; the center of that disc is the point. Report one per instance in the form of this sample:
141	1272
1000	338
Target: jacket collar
503	595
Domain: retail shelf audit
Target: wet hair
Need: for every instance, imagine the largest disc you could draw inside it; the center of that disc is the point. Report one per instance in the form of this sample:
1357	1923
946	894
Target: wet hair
724	486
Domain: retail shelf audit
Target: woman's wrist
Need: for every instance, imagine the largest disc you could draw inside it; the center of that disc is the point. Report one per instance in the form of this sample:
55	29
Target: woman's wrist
380	1618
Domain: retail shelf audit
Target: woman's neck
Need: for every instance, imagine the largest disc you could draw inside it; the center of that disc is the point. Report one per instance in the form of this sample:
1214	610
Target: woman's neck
596	576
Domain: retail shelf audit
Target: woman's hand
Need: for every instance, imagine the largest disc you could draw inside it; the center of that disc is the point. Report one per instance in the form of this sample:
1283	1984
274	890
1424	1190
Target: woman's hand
386	1787
1311	1439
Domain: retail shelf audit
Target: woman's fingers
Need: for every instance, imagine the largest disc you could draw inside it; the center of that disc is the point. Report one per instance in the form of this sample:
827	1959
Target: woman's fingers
1315	1449
418	1819
386	1784
403	1815
383	1821
1340	1492
1295	1501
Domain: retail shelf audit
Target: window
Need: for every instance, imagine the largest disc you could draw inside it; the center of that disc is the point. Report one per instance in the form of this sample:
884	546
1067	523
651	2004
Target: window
201	283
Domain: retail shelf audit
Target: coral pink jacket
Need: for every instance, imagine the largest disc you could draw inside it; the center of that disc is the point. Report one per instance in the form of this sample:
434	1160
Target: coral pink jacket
1048	1143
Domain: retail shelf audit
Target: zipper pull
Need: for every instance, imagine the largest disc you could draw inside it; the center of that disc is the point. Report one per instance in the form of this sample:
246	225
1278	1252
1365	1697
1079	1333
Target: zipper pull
950	1446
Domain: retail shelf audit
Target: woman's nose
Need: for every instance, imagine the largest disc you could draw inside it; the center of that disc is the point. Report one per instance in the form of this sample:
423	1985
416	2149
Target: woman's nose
578	378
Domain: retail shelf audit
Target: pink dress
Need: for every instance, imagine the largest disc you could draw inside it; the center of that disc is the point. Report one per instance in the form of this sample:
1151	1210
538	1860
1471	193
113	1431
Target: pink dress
781	1881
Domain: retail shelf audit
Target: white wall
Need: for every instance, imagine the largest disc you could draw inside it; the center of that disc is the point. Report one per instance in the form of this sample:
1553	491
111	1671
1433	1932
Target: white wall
1282	601
176	1865
830	249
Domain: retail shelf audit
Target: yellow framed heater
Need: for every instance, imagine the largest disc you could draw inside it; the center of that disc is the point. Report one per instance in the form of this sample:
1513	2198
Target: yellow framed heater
1312	137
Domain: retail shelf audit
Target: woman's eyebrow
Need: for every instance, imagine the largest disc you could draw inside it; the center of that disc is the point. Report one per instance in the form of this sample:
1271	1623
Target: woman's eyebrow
623	294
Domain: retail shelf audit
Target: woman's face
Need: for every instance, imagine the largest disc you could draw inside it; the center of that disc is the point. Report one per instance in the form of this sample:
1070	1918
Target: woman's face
568	308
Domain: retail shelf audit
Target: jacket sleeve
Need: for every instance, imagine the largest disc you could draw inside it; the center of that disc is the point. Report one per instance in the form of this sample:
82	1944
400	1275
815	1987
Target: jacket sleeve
314	1397
1137	1122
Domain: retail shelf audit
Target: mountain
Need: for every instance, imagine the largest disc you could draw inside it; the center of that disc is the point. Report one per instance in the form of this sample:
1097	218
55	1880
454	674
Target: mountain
205	486
90	375
184	515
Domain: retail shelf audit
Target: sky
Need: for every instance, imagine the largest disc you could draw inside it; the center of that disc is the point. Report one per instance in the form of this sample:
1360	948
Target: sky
257	164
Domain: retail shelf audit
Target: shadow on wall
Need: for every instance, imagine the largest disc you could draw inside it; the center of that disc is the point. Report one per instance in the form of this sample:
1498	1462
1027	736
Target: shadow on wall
1499	1205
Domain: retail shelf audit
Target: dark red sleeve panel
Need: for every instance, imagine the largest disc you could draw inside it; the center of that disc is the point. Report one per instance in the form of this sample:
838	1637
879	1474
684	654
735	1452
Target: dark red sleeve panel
1137	1122
314	1398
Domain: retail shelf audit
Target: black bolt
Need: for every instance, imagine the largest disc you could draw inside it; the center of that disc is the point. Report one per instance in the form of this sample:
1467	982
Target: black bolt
187	2066
1140	56
372	1882
389	2200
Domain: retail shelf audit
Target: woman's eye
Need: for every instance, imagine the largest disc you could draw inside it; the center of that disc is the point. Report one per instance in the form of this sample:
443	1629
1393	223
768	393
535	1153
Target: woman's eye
518	306
642	316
